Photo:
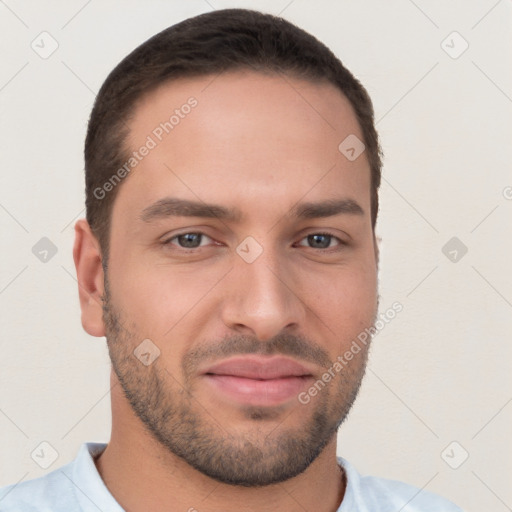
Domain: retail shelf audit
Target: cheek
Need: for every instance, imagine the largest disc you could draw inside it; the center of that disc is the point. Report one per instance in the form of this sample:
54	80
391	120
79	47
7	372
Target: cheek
157	300
345	302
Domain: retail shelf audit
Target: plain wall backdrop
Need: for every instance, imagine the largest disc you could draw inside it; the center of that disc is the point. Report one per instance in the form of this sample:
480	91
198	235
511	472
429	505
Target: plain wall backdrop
438	386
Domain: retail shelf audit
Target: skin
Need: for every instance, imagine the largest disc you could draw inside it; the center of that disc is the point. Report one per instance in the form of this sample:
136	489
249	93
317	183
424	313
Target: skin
259	143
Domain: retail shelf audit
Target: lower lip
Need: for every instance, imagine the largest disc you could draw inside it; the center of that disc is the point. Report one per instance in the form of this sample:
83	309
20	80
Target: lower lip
259	392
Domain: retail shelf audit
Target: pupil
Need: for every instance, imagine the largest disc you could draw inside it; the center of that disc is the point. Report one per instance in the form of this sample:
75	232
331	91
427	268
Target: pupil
189	240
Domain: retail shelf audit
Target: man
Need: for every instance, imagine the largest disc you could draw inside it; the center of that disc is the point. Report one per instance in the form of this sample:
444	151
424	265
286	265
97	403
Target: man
229	257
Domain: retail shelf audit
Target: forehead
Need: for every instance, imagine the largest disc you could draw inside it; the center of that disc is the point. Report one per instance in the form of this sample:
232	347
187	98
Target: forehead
242	136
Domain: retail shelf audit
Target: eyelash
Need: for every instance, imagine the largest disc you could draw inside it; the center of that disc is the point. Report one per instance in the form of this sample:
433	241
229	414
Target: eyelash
341	242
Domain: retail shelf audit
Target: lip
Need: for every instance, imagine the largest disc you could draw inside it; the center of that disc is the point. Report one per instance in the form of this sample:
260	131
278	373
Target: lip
257	380
258	367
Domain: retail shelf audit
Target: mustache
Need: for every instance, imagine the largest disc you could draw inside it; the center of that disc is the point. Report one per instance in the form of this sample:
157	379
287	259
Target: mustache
285	344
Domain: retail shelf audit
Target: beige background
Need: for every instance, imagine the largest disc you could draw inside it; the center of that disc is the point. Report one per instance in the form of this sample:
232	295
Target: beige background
439	372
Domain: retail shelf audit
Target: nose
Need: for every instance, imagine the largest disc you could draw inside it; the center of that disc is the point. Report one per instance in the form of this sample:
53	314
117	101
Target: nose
262	298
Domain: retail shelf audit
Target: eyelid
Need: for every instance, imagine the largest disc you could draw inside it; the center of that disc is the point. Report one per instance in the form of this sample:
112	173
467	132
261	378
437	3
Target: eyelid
169	239
325	233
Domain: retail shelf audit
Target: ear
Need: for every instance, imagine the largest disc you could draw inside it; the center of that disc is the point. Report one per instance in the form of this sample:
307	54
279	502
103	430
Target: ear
87	257
377	240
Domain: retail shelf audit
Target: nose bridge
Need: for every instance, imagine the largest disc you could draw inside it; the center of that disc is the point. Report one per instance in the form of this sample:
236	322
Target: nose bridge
261	298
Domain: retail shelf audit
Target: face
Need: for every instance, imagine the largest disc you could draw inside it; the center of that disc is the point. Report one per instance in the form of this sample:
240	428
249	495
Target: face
246	302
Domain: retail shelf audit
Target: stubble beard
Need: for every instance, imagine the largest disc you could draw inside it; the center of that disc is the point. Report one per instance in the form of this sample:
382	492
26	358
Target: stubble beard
172	415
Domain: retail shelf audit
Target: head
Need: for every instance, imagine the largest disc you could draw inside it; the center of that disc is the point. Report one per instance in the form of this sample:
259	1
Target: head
225	217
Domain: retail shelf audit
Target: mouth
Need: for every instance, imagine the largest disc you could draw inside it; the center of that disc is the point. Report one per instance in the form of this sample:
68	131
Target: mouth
257	380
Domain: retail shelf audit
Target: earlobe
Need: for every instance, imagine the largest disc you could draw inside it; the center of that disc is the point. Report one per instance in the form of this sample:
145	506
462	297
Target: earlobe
89	271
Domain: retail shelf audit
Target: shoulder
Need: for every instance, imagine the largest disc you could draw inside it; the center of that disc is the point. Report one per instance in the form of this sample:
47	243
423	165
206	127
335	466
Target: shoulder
57	491
370	493
51	492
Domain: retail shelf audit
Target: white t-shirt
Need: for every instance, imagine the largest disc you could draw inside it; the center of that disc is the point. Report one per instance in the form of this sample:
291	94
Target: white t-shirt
78	487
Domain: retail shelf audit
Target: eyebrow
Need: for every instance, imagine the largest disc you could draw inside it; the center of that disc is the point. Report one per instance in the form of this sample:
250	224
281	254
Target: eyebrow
175	207
171	206
326	208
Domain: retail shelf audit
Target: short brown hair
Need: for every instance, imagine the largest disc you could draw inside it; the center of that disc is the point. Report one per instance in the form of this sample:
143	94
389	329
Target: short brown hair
211	43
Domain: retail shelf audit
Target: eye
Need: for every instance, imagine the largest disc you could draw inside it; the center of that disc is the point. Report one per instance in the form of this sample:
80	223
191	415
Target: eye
194	240
322	241
187	240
